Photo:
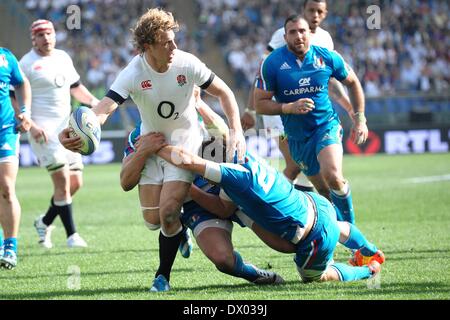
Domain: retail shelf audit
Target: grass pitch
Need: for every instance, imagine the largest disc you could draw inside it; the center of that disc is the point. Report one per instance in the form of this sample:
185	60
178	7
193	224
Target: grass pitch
408	220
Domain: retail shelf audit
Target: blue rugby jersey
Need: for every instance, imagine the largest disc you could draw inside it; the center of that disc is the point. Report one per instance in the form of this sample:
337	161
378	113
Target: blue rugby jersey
291	79
265	196
10	74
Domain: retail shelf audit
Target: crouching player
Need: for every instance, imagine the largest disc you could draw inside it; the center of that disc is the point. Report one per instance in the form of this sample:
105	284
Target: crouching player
213	235
306	220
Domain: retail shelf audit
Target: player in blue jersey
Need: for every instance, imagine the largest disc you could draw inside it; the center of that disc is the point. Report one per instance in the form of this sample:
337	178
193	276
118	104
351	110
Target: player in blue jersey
297	75
307	220
12	121
213	235
315	12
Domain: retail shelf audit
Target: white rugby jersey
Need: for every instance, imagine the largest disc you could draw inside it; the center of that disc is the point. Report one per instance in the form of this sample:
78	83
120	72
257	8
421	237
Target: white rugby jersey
321	38
50	78
165	100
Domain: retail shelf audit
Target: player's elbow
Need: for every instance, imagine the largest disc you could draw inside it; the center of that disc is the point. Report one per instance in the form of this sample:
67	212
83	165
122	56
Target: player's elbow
126	182
126	186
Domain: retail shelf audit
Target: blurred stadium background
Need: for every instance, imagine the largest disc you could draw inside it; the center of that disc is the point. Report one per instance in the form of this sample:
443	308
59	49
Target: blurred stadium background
403	66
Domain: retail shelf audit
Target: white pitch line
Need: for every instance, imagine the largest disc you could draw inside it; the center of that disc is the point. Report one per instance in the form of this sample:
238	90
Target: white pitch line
429	179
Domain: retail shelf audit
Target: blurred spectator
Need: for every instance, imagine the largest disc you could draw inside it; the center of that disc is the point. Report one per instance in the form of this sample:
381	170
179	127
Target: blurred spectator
103	46
410	52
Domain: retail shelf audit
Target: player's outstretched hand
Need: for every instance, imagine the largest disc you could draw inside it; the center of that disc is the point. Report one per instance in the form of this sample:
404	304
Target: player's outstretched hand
71	143
359	133
150	143
237	145
301	106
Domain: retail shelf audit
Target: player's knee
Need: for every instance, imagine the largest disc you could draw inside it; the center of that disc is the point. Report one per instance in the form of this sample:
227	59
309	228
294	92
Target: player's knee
61	193
170	210
329	275
8	193
75	185
151	226
151	216
169	219
333	178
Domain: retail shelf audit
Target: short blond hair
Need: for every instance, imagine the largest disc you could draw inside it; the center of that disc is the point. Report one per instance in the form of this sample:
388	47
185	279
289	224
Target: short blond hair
148	25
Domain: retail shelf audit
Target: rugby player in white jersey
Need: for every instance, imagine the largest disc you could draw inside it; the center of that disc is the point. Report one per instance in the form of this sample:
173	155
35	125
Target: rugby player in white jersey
161	80
314	11
54	80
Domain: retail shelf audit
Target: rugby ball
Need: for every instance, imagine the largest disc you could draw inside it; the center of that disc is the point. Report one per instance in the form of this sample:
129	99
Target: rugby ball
83	123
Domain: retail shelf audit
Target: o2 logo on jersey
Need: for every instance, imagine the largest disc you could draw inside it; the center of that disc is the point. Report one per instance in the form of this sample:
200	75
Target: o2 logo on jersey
319	63
181	79
146	84
3	61
60	80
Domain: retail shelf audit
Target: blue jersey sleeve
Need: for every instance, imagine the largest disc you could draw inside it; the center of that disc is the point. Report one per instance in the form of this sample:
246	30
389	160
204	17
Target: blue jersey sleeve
267	79
340	67
234	176
16	73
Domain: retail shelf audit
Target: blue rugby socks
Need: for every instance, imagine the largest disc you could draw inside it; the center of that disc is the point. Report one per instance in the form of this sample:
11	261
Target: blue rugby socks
349	273
10	244
342	199
356	241
241	269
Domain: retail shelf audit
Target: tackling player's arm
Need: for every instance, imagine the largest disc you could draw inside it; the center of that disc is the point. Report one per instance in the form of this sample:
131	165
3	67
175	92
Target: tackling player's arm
359	131
133	164
184	159
213	203
82	94
224	209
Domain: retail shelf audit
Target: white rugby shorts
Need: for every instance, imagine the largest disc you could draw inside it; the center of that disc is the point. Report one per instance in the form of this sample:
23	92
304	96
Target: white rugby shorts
157	171
52	155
